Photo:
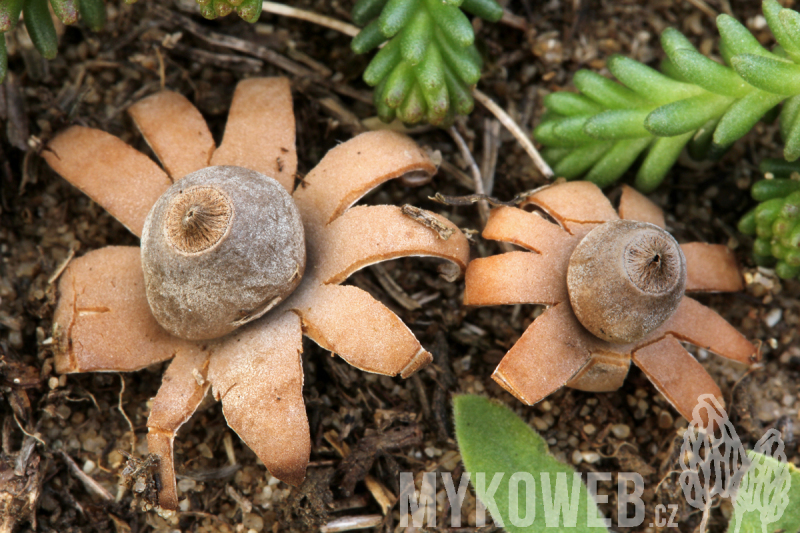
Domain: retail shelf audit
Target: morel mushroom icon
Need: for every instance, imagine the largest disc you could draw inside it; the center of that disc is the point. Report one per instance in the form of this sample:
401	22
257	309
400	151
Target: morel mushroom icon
615	289
214	213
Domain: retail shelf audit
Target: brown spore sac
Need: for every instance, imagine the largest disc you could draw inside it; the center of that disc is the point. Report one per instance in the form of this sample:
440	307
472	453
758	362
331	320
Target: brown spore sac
220	248
625	279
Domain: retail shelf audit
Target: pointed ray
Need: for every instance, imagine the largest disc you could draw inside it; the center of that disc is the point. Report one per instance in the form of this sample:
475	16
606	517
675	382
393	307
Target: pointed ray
365	235
695	323
354	168
711	268
102	321
550	352
633	205
184	386
361	330
257	374
121	179
175	131
529	230
260	133
517	278
576	202
676	374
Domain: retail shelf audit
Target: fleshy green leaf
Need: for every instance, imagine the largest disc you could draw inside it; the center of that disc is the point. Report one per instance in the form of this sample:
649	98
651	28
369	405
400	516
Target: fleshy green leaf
9	14
40	28
93	13
452	21
617	161
460	60
399	84
571	104
772	75
416	37
249	10
738	39
65	10
743	115
606	92
383	63
367	39
581	159
395	16
784	35
618	124
3	58
493	440
686	115
662	155
485	9
648	82
709	74
366	10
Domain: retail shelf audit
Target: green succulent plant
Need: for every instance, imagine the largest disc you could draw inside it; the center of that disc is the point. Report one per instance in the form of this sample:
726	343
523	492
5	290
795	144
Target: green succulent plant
427	67
249	10
775	221
40	25
602	131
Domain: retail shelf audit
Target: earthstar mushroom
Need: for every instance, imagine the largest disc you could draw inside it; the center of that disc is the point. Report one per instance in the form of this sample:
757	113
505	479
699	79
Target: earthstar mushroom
255	371
614	285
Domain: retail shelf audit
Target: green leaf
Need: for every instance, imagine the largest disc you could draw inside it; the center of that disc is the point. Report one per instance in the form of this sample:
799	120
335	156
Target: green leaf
617	161
485	9
606	92
383	63
791	24
385	113
249	10
747	224
742	115
398	84
775	188
709	74
772	12
571	104
431	78
40	28
460	97
9	14
93	13
779	168
545	133
413	110
65	10
493	440
686	115
668	68
648	82
460	60
573	129
3	58
582	159
366	10
788	115
617	124
553	155
776	76
367	39
416	37
737	39
791	151
452	21
395	16
662	155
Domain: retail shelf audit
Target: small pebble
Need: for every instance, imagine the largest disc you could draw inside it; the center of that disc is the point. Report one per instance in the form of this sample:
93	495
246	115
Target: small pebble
577	457
539	424
589	429
88	467
591	457
773	317
621	431
664	420
52	382
185	485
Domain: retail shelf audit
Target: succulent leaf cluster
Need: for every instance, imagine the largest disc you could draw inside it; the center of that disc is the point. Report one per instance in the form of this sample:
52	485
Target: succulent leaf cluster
38	22
775	221
248	10
692	101
430	62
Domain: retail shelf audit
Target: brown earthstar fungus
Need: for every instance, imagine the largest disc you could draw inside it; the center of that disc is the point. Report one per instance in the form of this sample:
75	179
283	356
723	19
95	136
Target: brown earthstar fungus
614	285
201	208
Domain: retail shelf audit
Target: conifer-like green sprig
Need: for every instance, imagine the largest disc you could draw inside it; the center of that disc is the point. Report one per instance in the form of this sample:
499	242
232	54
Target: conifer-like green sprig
601	132
40	25
775	221
429	64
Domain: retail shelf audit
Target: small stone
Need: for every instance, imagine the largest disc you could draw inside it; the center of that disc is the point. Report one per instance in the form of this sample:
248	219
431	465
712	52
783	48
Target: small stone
52	382
787	400
205	450
621	431
591	457
539	424
546	405
253	522
185	485
88	467
773	317
589	429
577	457
664	420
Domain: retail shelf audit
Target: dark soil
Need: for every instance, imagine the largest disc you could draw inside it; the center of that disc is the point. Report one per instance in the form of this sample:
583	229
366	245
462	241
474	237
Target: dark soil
61	434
